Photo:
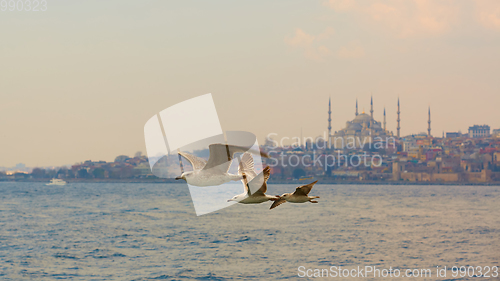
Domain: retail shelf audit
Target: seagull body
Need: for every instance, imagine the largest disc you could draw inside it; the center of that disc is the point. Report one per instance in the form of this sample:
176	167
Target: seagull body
250	179
213	172
299	196
204	178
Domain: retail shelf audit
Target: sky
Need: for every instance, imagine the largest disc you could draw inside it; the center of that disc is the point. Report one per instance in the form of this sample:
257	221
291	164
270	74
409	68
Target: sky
79	80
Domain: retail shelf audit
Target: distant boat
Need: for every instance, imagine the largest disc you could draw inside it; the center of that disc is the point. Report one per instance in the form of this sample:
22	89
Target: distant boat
56	182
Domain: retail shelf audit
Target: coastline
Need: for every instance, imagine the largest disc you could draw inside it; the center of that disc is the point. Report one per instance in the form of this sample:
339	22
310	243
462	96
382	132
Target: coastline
296	182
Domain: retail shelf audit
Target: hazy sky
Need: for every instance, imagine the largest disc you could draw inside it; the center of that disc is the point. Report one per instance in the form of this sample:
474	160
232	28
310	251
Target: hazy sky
80	80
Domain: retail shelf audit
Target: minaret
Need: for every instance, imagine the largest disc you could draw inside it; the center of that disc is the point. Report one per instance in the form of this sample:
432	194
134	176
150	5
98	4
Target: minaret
385	122
302	145
371	110
329	118
399	119
429	122
356	107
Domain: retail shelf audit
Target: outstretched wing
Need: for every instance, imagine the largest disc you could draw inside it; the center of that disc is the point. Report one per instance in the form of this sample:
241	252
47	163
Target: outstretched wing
266	173
246	166
277	203
197	162
221	155
304	189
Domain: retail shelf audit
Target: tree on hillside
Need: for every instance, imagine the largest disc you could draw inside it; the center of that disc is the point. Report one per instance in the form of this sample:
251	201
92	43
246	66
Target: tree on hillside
83	174
121	158
98	173
38	173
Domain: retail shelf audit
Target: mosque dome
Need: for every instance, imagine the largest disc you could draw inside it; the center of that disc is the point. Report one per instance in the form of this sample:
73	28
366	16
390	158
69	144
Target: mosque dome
362	118
354	126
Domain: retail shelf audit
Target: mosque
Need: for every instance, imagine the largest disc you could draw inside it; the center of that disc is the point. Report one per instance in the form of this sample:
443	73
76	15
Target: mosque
362	130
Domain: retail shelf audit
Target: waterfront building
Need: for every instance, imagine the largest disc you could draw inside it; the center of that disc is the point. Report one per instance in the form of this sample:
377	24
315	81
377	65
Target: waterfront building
478	131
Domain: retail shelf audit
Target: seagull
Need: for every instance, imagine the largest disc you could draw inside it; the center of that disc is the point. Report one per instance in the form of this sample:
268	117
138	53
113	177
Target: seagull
214	171
247	170
299	196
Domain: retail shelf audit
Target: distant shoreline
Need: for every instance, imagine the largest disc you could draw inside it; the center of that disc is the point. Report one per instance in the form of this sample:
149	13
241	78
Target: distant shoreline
296	182
97	180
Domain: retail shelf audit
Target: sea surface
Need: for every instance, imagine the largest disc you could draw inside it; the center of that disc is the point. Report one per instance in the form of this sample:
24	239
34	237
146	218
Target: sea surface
105	231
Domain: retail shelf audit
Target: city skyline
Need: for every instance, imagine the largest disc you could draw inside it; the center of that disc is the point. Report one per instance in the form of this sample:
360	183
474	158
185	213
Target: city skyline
79	82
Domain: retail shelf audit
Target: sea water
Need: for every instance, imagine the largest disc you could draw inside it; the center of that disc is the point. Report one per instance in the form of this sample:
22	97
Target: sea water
112	231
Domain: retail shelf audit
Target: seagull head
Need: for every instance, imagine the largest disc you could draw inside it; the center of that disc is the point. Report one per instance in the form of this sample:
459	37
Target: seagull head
235	198
285	195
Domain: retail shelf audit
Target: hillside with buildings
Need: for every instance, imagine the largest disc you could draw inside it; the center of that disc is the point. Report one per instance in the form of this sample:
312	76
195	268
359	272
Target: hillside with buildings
364	151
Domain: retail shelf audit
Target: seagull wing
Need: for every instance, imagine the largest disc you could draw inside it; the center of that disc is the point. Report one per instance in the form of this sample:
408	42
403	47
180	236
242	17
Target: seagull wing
246	166
221	156
265	175
277	203
197	162
304	189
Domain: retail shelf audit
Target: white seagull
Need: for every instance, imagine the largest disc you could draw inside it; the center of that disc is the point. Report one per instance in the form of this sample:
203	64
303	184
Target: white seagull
250	178
299	196
214	171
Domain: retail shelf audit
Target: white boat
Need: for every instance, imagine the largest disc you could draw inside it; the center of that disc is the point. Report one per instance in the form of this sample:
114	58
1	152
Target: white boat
57	182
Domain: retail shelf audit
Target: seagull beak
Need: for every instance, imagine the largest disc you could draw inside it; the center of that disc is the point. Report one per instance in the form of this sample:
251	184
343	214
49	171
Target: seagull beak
178	178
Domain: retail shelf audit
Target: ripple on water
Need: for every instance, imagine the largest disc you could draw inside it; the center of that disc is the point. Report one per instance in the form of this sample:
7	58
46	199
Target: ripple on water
150	231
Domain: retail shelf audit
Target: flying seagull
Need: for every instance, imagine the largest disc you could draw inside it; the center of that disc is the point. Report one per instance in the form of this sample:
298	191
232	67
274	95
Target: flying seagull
299	196
250	178
214	171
